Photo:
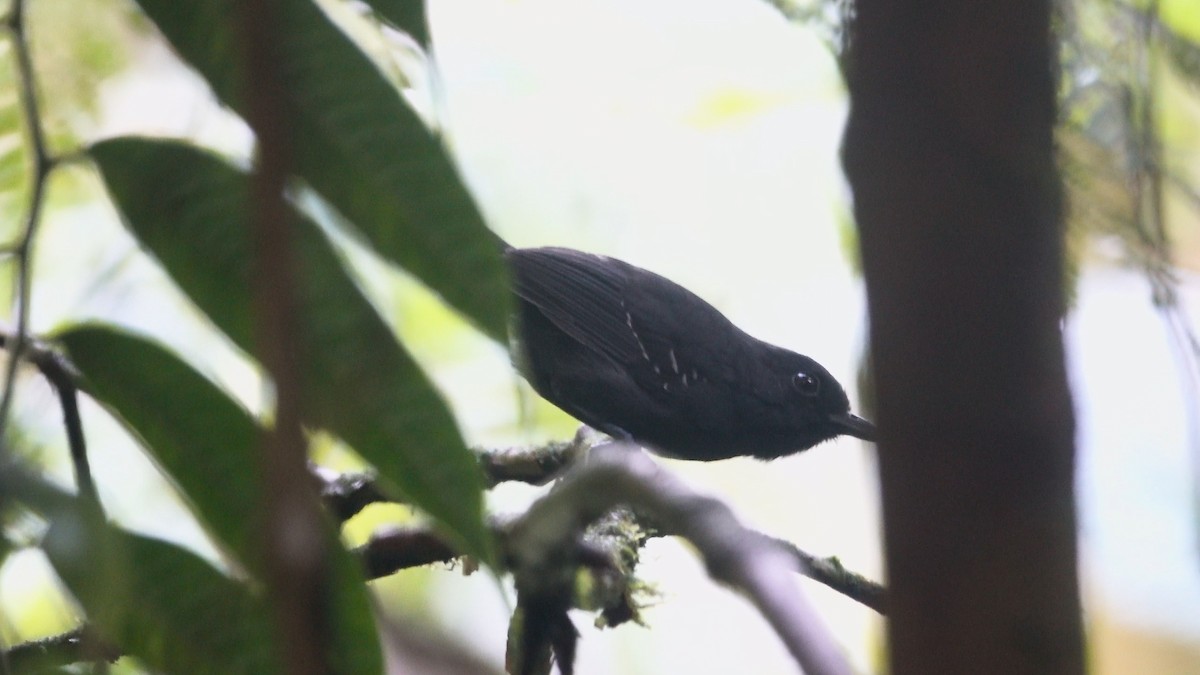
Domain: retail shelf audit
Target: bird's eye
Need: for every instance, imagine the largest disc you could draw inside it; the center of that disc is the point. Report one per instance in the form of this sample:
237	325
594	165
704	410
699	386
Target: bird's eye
806	384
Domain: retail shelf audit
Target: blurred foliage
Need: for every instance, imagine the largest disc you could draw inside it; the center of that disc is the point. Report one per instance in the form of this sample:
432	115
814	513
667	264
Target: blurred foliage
362	147
75	46
1129	110
370	157
1116	160
189	210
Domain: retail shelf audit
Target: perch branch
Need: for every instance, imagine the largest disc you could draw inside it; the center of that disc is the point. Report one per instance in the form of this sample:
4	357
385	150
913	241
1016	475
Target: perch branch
348	493
830	572
616	474
395	550
403	548
537	465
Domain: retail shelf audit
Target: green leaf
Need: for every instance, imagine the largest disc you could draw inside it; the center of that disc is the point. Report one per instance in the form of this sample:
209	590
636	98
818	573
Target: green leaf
188	209
208	445
407	15
160	603
360	146
201	438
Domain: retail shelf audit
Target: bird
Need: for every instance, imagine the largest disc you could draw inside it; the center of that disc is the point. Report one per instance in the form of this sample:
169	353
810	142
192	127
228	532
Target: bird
639	357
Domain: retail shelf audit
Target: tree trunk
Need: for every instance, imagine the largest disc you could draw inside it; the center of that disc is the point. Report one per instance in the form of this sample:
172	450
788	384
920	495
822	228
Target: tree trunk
950	154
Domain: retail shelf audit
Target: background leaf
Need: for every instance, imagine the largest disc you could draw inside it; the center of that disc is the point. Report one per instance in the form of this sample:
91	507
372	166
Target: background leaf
188	208
161	603
201	438
360	146
208	446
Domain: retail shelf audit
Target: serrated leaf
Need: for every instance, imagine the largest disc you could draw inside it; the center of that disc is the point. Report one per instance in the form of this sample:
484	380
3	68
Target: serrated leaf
188	208
208	445
360	146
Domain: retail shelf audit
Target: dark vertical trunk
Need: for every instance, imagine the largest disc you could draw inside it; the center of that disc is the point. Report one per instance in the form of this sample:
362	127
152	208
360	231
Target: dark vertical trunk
294	545
950	154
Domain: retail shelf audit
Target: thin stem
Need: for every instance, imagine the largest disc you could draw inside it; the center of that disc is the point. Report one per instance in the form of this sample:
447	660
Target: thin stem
42	164
61	374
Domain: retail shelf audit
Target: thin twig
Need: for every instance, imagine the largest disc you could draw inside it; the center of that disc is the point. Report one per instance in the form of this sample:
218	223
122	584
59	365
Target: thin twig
78	645
608	550
42	164
346	494
830	572
537	465
403	548
63	376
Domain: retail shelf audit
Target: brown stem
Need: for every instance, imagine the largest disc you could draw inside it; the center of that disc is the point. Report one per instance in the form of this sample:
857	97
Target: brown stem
297	559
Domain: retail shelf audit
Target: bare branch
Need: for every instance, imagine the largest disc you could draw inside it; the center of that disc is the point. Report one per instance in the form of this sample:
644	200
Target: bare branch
392	551
403	548
830	572
348	493
619	474
79	645
537	465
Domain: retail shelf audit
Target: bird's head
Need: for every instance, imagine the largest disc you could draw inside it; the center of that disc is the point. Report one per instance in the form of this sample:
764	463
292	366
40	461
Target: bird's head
808	404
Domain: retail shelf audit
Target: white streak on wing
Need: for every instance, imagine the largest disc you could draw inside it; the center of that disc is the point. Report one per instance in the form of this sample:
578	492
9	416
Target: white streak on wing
629	322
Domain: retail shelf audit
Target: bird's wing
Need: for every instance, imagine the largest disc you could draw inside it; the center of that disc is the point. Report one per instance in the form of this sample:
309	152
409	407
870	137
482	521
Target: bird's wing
580	293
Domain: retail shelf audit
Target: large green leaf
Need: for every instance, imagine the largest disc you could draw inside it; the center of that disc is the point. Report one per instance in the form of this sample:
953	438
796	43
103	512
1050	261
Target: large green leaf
208	445
189	209
202	439
160	603
359	145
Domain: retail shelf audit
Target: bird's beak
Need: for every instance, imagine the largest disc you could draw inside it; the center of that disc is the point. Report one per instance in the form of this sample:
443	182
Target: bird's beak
853	425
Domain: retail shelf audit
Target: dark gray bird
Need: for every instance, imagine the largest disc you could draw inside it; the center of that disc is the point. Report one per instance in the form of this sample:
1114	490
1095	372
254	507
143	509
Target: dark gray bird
638	356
